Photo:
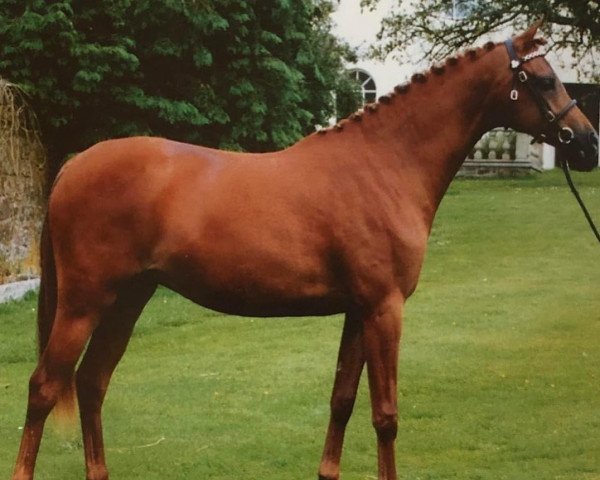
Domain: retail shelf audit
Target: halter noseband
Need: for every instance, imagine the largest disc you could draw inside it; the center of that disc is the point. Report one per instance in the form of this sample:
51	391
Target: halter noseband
564	134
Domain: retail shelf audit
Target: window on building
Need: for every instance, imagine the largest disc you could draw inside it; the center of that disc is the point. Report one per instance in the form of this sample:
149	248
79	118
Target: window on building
460	9
366	85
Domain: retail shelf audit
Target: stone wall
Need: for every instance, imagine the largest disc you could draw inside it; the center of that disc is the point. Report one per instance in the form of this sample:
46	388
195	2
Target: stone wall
502	153
21	186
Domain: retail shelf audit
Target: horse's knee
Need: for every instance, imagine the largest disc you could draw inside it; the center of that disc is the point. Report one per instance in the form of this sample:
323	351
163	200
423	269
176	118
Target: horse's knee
341	408
386	426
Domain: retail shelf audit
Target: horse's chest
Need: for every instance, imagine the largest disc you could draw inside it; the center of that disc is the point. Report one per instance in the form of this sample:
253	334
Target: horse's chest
385	259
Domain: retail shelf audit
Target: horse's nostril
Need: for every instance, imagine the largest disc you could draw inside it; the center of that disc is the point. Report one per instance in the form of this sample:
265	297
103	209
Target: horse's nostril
592	138
594	142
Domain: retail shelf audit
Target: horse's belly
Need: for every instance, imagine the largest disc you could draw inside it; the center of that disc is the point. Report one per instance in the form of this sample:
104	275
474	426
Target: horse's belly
258	302
266	287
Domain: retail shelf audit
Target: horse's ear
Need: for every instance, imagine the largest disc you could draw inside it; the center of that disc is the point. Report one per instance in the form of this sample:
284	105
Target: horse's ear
527	39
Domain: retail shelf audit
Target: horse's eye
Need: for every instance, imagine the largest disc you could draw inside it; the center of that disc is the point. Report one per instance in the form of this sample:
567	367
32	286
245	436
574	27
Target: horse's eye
546	83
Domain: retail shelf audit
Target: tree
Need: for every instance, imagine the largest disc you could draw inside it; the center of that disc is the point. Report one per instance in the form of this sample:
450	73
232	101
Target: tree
443	26
229	73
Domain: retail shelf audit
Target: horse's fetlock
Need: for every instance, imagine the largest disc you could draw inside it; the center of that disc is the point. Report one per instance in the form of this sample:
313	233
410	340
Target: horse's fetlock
328	477
22	474
97	472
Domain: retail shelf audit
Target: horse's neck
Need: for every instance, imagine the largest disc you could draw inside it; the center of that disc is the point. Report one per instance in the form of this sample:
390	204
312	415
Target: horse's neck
434	126
420	138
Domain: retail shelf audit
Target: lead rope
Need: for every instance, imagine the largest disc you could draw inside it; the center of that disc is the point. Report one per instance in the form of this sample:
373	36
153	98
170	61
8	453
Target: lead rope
565	167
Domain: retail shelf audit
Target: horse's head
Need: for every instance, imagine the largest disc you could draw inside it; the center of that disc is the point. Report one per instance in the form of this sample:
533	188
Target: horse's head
538	104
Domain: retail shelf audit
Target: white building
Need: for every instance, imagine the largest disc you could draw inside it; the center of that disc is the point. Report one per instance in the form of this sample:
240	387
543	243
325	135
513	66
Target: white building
359	28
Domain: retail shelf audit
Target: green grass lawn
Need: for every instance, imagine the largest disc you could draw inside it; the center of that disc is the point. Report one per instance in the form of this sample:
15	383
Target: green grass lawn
499	369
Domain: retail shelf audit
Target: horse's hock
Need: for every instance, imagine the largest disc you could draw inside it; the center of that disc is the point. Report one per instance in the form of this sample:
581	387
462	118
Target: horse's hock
21	186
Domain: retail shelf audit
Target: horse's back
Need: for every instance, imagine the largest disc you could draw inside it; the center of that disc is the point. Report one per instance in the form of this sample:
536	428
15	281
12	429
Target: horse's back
236	232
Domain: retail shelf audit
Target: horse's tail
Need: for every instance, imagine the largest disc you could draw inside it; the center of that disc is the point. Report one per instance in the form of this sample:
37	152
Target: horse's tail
64	409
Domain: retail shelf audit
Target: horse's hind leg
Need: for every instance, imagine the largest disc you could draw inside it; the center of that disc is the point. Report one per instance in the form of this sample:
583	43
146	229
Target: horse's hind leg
349	367
52	377
106	347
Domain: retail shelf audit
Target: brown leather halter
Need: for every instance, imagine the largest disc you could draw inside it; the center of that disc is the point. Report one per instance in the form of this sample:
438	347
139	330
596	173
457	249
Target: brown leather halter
564	134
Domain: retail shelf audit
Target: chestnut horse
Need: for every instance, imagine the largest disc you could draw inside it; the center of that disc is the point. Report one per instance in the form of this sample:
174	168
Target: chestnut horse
338	222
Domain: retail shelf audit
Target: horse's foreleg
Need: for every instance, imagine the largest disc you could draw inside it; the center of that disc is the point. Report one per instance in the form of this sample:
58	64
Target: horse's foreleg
50	379
382	336
349	367
106	347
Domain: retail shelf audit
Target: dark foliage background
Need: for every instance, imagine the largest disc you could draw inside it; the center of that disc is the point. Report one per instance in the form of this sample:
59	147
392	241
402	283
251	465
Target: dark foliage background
231	74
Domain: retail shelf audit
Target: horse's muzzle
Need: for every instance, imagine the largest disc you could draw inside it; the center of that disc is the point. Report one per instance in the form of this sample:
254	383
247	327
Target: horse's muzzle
583	151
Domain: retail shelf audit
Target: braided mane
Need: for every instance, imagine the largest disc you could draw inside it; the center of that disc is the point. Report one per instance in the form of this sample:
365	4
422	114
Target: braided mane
437	69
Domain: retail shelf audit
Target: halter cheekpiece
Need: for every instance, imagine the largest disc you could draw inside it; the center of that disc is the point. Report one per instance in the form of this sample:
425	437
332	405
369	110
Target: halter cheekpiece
564	134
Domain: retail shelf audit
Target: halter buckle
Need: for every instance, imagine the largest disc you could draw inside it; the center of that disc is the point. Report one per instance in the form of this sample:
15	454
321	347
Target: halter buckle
522	76
514	94
566	135
550	116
